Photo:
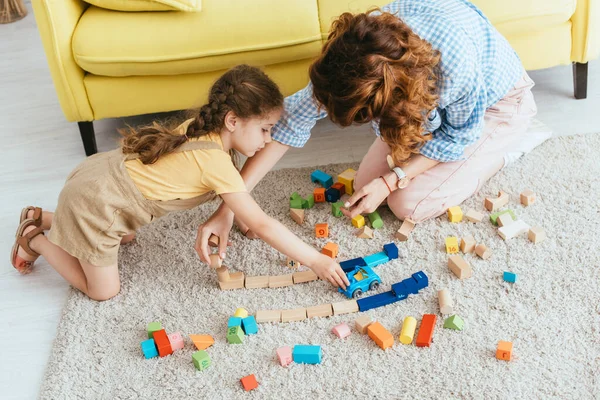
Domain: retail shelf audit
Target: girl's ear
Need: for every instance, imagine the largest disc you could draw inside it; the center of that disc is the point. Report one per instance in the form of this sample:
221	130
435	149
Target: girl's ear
231	121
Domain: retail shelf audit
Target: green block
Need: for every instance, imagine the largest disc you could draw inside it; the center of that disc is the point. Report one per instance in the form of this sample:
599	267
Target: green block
235	335
294	196
376	221
494	216
153	327
296	203
336	208
454	322
201	360
311	201
304	203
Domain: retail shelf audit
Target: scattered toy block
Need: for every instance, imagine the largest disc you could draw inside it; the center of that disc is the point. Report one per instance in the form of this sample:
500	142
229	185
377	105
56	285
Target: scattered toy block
492	204
336	209
176	341
162	343
297	215
494	216
340	187
381	336
321	178
345	307
452	245
446	302
249	325
281	280
347	178
425	335
474	216
290	263
201	360
527	197
223	274
513	230
358	221
241	313
296	203
268	316
421	278
153	327
365	233
234	321
377	300
332	194
536	234
467	244
307	354
342	330
460	267
255	282
323	310
249	382
304	276
407	333
509	277
322	230
454	322
319	195
295	195
149	348
309	202
504	351
213	240
202	342
235	335
350	265
482	251
391	250
362	323
504	219
236	281
284	354
405	229
330	249
215	261
297	314
376	259
455	214
376	221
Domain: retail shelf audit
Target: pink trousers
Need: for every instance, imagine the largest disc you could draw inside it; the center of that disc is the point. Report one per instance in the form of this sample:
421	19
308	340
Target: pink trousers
449	184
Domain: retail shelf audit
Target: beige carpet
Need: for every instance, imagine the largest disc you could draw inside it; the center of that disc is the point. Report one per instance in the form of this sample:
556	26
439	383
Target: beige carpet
552	313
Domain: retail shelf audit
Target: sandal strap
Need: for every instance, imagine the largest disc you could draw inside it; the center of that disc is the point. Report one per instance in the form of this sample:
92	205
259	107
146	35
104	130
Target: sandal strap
37	216
24	240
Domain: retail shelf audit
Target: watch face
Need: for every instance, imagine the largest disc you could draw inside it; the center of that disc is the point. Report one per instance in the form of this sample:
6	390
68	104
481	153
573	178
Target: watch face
402	183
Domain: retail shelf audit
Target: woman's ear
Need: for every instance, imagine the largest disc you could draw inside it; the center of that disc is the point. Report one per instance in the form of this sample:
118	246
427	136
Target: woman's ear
231	121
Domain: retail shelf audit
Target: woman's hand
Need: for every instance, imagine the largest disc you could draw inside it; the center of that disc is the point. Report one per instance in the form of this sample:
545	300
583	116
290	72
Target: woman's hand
328	270
219	224
368	198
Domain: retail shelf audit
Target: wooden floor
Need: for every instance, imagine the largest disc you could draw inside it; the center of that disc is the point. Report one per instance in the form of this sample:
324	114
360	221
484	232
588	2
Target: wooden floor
40	149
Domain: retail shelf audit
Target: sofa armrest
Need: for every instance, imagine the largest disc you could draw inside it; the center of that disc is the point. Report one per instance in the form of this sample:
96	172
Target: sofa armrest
585	31
56	21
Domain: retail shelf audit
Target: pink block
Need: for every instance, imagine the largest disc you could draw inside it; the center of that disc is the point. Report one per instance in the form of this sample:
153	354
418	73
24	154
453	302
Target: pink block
285	355
342	330
176	341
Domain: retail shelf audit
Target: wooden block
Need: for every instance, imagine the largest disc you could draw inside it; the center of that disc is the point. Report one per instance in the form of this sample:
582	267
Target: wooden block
452	245
339	186
322	230
215	261
482	251
454	322
345	307
527	198
202	342
504	351
460	267
342	330
358	221
323	310
241	313
492	204
281	280
494	216
162	343
347	178
297	314
153	327
405	230
223	274
455	214
375	219
504	219
425	335
201	360
304	276
213	240
362	323
474	216
536	234
290	263
268	316
381	336
284	354
297	215
408	330
255	282
236	281
249	382
446	303
467	244
515	229
176	341
319	195
331	250
365	233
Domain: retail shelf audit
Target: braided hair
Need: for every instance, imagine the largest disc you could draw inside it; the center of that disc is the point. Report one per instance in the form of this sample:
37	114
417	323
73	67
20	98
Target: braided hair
244	90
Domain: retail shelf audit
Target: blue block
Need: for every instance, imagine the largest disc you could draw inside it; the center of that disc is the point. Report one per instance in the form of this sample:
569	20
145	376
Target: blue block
376	259
422	279
249	325
332	195
307	354
400	289
378	300
391	250
322	178
349	265
411	285
510	277
234	321
149	348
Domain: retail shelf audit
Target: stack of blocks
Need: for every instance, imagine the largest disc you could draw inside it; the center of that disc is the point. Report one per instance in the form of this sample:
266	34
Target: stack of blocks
239	325
159	343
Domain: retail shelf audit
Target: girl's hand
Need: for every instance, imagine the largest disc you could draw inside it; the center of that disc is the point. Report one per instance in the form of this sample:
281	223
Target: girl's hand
219	224
328	270
367	199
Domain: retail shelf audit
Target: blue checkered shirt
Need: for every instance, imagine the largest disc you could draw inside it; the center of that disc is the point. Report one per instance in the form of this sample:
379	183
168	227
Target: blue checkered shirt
478	67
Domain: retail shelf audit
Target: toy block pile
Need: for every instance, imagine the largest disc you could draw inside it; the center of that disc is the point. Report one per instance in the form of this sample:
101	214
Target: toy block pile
239	325
301	354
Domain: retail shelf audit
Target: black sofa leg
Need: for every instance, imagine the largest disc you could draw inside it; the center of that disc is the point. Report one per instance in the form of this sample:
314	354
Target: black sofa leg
580	73
86	129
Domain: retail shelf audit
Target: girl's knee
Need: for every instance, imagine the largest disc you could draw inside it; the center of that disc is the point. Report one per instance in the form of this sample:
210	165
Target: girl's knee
104	294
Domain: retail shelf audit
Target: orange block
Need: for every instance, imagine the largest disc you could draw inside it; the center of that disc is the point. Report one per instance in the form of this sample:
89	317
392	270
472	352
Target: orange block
249	382
339	186
322	230
319	195
426	330
380	335
202	342
331	250
504	351
162	343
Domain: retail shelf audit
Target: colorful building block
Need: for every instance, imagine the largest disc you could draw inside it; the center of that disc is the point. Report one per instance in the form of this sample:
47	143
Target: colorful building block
319	195
176	341
323	310
454	322
304	276
153	327
281	280
422	279
321	178
342	330
297	215
460	267
527	197
492	204
467	244
344	307
407	333
347	178
452	245
296	203
474	216
509	277
376	221
149	348
482	251
322	230
536	234
235	335
362	323
391	250
162	343
255	282
504	351
332	195
404	232
336	208
202	342
381	336
377	300
494	216
307	354
284	355
350	265
358	221
268	316
249	382
241	313
234	321
296	314
445	301
425	335
309	202
455	214
249	325
376	259
201	360
365	233
513	230
330	249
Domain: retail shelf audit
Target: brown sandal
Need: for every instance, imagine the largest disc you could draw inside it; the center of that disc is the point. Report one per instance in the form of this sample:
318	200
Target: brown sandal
37	215
23	266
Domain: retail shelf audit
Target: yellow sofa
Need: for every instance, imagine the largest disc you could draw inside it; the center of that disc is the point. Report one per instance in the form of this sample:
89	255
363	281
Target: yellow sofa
108	64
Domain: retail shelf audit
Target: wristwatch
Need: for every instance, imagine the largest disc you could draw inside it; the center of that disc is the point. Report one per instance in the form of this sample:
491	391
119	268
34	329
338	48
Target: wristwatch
403	180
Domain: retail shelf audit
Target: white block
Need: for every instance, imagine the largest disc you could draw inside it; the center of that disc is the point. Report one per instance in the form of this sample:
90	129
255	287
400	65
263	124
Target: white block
515	229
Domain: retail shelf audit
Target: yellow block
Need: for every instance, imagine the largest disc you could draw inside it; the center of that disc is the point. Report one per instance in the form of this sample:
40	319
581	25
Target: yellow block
347	178
408	330
359	276
455	214
451	245
240	312
358	221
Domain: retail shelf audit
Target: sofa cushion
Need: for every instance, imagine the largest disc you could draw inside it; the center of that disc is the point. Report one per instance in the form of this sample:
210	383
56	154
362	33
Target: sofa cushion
223	34
148	5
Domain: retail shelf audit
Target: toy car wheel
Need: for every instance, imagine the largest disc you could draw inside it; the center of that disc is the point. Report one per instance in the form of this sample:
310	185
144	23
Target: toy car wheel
373	285
357	293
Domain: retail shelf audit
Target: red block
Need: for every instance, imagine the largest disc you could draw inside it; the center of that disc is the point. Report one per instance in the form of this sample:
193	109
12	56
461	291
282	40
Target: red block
426	330
162	343
340	187
249	382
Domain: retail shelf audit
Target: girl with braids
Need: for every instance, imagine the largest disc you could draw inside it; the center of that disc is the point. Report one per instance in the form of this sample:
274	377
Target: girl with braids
159	169
444	92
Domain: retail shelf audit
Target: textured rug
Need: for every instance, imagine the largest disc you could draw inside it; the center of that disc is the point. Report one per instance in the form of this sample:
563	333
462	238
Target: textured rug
551	314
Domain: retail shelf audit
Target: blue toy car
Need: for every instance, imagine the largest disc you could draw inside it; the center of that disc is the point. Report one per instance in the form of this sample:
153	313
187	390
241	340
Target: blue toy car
362	278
